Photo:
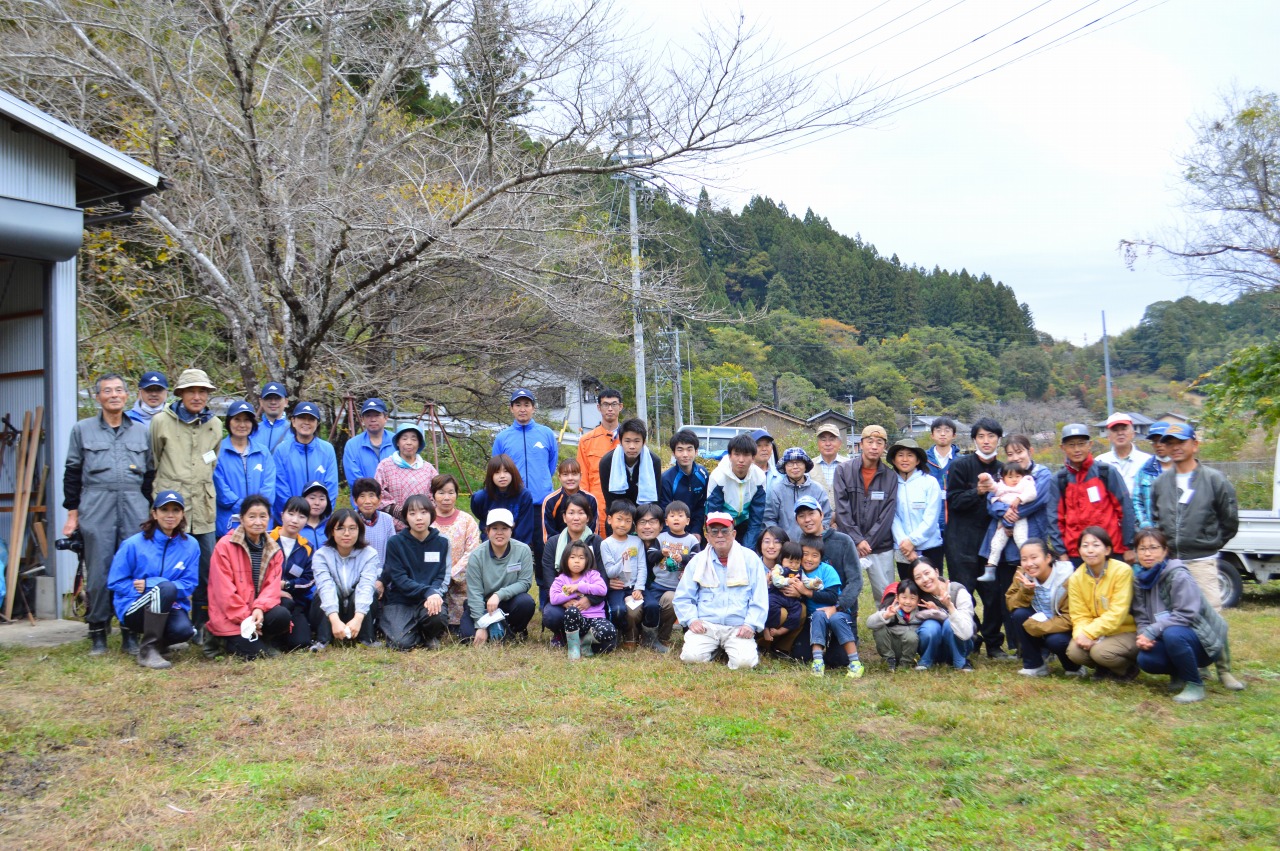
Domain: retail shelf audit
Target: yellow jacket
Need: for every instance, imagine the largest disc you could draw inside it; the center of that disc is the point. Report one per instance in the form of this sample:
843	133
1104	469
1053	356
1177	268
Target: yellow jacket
1101	606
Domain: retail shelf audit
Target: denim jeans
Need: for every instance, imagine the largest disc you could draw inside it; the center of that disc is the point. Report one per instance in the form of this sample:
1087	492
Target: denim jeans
822	624
1032	649
939	642
1178	652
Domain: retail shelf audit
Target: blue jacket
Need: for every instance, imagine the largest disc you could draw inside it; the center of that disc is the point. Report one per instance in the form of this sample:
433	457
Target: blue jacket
160	559
238	476
360	459
1035	513
296	571
1142	492
691	490
534	449
521	507
270	435
300	464
939	473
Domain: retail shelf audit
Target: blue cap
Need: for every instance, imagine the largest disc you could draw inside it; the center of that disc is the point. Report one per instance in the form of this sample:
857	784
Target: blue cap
1179	431
522	393
1157	430
167	497
807	502
1075	430
795	453
309	409
760	434
315	486
273	388
240	406
154	379
374	404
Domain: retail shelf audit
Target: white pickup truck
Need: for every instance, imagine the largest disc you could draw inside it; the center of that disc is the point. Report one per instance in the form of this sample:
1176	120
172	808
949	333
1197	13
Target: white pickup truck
1255	550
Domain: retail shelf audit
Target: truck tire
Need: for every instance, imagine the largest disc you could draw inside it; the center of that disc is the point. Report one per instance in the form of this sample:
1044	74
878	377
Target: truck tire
1232	587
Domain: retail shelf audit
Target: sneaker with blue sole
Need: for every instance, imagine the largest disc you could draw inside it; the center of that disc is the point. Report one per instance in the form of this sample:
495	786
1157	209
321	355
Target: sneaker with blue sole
818	668
855	670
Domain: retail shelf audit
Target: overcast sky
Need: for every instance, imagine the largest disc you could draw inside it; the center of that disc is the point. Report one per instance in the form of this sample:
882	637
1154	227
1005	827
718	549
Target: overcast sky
1032	173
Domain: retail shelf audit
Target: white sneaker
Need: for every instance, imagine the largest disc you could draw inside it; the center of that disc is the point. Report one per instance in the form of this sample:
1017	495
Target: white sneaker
1042	671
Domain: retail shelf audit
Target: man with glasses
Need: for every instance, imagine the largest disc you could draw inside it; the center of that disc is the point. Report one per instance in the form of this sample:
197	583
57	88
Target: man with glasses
866	498
597	443
721	601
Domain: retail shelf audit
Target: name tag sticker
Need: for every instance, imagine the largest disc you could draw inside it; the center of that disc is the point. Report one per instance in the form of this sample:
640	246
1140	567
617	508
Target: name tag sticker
1094	494
1186	496
917	506
513	568
295	571
877	496
431	558
210	457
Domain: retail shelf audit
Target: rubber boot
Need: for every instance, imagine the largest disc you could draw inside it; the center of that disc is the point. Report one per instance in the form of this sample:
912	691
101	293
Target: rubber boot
652	641
153	624
128	641
1191	693
210	644
573	641
587	640
97	639
1225	676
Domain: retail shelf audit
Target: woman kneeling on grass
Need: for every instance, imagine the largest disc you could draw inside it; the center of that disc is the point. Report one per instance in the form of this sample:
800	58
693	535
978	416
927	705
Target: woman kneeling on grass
418	563
1098	596
345	605
950	639
1037	603
244	587
152	577
1178	630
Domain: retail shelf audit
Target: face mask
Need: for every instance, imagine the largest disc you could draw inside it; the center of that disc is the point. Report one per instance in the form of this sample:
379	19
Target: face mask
984	456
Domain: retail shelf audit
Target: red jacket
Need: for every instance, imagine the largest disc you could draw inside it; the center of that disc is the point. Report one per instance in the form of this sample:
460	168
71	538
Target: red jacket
1071	510
232	596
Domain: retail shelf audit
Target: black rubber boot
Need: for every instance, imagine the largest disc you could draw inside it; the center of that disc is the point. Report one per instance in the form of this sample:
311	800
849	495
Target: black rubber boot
153	625
97	639
128	641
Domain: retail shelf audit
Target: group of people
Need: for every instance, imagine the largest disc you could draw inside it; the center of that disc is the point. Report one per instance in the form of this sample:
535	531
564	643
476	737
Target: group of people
1107	564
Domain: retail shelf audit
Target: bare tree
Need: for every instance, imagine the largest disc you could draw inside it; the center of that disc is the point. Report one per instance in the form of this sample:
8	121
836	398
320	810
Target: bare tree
342	235
1233	197
1035	418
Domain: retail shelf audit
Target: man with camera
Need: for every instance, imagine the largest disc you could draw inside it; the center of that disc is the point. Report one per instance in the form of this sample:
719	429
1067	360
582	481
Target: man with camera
106	489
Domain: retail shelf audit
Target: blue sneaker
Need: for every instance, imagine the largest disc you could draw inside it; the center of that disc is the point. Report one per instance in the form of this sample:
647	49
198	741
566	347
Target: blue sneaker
497	632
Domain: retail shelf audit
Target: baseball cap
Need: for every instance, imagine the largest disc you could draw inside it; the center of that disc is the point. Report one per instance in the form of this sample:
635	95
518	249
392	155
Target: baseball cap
761	434
522	393
719	518
153	379
273	388
167	497
1179	431
374	404
1157	430
240	406
805	502
308	409
875	431
1075	430
1119	418
829	428
314	486
499	515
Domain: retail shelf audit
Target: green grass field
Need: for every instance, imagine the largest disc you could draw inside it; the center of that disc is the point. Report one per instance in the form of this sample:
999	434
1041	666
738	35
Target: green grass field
513	747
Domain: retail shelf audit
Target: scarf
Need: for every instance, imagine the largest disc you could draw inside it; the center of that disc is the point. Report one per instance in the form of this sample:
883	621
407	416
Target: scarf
647	486
416	464
185	416
731	486
704	571
1147	577
562	541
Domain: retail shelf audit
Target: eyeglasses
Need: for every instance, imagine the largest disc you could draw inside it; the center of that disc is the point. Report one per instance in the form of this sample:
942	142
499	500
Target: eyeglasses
1150	549
718	531
609	404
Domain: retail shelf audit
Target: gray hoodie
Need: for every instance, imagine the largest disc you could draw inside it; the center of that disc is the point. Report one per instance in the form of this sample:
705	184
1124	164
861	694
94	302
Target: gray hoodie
780	504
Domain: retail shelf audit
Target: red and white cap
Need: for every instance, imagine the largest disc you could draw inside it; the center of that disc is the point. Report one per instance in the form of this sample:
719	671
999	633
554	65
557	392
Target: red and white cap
720	518
1119	418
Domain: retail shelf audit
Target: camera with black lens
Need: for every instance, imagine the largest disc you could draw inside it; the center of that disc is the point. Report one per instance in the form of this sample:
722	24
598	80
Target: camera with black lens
72	543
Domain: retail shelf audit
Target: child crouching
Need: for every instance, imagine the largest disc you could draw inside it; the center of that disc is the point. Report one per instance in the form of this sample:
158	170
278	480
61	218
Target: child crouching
896	624
581	589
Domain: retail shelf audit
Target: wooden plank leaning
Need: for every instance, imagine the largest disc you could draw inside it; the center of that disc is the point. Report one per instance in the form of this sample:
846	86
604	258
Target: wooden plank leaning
28	446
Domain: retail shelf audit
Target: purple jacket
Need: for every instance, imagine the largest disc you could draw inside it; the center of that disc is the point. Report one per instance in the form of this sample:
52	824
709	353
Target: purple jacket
590	582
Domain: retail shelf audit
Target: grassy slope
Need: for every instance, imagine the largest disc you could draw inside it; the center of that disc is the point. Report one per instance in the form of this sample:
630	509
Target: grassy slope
513	747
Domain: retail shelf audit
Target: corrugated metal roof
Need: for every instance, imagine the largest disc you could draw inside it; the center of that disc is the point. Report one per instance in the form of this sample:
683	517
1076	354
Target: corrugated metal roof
103	173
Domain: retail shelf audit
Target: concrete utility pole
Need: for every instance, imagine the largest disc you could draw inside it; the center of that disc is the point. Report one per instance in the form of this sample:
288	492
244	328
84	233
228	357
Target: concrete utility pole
637	320
692	418
1106	365
721	382
678	391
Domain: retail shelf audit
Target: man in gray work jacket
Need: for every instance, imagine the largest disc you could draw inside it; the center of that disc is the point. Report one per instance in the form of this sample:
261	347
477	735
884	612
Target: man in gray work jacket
106	489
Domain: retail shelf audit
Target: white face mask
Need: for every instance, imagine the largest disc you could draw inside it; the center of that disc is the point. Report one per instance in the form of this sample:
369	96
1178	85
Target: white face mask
984	456
1164	459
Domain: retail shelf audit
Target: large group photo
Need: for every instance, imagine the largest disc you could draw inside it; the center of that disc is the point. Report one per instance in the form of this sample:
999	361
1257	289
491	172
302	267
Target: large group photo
516	424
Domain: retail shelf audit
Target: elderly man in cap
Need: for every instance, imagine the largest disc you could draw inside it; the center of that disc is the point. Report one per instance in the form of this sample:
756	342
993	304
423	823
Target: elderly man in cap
766	457
1087	492
153	390
361	455
828	461
1127	459
499	575
184	443
1195	506
305	459
106	488
274	426
721	601
866	499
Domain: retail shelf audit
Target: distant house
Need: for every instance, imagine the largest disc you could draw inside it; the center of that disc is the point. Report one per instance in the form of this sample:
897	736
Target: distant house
1171	417
1141	424
841	421
771	419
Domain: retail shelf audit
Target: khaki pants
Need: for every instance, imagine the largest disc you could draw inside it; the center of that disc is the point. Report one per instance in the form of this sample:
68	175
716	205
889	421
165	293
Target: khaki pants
1205	572
1116	653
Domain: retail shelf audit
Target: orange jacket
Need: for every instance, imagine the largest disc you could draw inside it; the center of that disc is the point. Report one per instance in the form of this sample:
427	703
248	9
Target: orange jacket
592	447
232	596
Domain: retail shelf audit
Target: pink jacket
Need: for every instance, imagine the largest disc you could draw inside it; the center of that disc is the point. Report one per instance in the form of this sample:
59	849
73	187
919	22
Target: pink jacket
232	595
590	582
1025	491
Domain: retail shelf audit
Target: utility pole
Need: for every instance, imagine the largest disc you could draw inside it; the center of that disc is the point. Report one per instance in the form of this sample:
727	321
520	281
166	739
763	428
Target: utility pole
691	414
677	391
637	318
850	398
721	383
1106	365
